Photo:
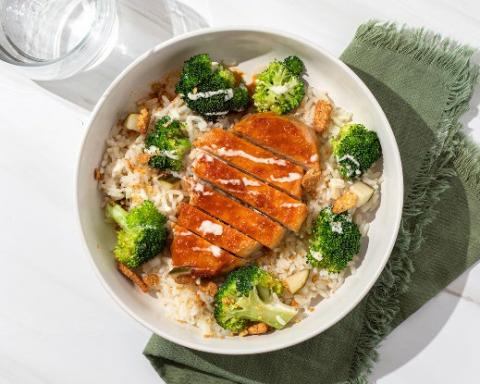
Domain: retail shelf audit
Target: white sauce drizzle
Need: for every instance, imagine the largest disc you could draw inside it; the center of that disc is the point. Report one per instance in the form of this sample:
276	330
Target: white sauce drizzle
316	255
230	181
213	249
201	189
348	166
207	158
252	183
349	157
262	160
205	95
221	113
336	226
209	227
291	205
292	176
314	158
279	89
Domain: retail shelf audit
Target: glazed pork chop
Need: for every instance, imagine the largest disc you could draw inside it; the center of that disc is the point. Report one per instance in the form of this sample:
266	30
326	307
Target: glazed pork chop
281	134
253	159
274	203
215	231
205	259
249	221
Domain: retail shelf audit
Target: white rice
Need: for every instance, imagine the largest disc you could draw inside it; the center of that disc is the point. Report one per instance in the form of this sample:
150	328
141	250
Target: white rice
126	177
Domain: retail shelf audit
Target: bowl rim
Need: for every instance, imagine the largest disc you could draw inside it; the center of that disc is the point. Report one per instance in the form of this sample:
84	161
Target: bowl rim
396	210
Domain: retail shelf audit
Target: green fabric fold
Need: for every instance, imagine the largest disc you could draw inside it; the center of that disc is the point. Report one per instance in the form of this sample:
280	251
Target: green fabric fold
424	83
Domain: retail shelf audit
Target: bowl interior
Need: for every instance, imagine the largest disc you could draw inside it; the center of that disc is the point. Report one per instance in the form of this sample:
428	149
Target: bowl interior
250	50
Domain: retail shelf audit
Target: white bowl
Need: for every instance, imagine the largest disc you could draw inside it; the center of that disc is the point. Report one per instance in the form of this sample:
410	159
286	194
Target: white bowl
249	48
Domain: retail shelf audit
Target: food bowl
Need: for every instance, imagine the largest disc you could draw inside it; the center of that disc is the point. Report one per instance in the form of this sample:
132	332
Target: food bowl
249	49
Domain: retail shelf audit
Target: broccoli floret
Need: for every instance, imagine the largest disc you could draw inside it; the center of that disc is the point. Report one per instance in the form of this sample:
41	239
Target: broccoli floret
210	89
171	143
294	65
335	239
280	88
356	149
250	294
142	233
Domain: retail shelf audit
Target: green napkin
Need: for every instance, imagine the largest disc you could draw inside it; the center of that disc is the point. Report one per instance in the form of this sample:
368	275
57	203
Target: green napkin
423	83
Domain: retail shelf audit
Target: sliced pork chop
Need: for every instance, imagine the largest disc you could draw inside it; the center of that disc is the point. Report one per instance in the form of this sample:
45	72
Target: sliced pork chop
253	159
274	203
250	222
205	259
284	135
216	232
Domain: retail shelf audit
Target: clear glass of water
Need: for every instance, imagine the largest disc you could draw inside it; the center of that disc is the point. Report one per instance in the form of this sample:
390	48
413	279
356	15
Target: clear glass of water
54	39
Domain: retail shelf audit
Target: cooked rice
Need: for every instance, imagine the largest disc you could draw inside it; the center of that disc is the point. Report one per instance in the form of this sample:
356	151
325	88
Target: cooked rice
126	177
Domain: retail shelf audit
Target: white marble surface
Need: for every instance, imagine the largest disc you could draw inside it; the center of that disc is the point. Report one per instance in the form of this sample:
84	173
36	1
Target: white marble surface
58	325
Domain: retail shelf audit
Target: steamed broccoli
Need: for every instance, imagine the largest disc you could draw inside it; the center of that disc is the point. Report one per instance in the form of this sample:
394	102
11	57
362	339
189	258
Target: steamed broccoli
142	233
280	88
356	149
210	88
334	241
169	144
249	294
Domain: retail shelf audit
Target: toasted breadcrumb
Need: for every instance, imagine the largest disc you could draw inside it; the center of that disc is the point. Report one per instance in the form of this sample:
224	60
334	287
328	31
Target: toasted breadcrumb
143	158
311	180
322	117
97	175
131	275
210	288
143	120
345	202
151	280
184	279
257	329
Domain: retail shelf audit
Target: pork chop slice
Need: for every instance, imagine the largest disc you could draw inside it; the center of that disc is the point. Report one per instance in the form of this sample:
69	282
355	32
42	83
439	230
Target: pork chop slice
204	258
216	232
259	162
282	134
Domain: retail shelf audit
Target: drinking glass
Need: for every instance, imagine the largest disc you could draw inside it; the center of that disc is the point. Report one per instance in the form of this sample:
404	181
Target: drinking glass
53	39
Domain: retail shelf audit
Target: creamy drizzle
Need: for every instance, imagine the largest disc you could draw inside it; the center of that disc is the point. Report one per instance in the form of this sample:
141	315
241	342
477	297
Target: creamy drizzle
252	183
209	227
213	249
292	176
230	181
349	157
221	113
336	227
262	160
291	205
205	95
279	89
316	255
201	189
